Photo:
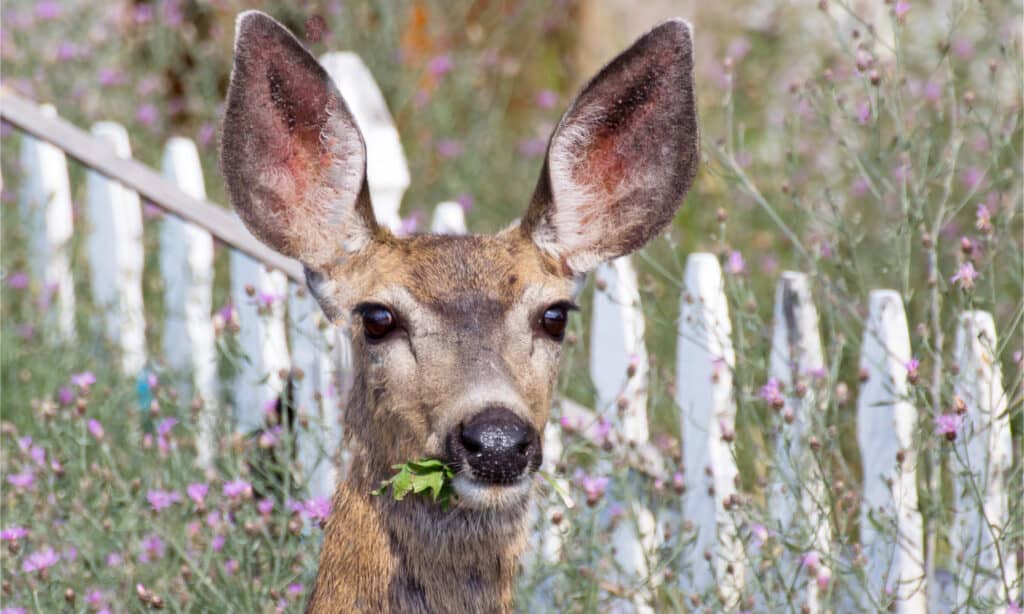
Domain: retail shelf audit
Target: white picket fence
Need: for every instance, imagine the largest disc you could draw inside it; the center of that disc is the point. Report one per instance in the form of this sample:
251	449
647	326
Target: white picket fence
282	333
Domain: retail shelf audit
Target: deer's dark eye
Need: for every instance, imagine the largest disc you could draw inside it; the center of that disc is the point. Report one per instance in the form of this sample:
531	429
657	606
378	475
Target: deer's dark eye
378	321
554	319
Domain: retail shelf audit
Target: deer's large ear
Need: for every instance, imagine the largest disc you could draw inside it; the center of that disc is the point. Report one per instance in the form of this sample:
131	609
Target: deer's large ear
623	156
292	155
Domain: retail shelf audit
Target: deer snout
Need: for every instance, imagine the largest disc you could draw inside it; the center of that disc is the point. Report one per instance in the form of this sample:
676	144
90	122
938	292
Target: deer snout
497	445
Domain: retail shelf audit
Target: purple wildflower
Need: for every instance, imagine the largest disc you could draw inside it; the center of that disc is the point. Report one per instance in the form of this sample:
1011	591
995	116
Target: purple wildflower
197	492
735	264
901	9
772	393
147	114
965	276
266	299
546	99
162	499
110	77
83	380
94	598
17	280
163	428
231	566
25	480
65	395
48	10
95	428
153	548
206	133
237	488
983	219
439	65
38	455
217	543
14	533
948	425
448	148
114	559
40	560
265	506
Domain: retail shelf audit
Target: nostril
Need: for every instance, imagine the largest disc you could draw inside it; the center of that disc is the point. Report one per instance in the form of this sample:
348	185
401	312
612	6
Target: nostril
470	439
523	447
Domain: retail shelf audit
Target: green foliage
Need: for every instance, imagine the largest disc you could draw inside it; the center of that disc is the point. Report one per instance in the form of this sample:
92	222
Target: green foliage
429	475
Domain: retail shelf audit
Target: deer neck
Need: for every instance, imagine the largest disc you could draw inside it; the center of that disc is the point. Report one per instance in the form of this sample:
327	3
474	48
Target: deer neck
411	555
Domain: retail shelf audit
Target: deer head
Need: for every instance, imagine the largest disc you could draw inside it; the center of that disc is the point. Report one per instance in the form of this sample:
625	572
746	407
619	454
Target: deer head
457	339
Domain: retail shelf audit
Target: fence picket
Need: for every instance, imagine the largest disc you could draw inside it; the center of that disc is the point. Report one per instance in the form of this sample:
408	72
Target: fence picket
618	355
618	369
386	169
798	492
890	526
45	204
314	400
981	460
259	297
115	254
705	360
449	219
186	265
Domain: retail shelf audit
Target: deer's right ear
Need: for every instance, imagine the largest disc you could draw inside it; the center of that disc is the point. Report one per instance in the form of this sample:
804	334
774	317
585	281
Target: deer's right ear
292	155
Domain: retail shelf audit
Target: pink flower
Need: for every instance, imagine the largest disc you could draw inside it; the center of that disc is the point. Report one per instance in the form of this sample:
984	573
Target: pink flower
532	148
439	65
25	480
114	559
759	532
197	492
164	427
153	548
265	506
771	393
95	428
48	10
593	486
14	533
65	395
448	148
237	488
40	560
735	264
147	114
983	219
110	77
948	425
295	590
266	299
465	201
863	112
901	9
206	133
965	276
810	559
94	598
162	499
972	176
316	509
823	579
83	380
217	543
410	223
231	567
17	280
38	455
546	99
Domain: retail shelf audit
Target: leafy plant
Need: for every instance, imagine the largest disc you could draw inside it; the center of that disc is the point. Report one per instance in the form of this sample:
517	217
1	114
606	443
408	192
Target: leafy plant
422	476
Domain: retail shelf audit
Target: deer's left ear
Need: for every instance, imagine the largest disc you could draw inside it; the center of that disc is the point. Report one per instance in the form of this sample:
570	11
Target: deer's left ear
623	156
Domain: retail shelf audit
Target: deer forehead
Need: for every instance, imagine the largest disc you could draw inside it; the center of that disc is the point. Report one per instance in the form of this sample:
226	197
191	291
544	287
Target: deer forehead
451	275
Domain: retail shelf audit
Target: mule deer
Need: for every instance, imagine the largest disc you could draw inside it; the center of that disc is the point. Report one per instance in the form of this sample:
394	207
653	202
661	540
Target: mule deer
457	337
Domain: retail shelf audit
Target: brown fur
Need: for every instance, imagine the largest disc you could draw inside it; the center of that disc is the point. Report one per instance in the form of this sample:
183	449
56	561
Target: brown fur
468	309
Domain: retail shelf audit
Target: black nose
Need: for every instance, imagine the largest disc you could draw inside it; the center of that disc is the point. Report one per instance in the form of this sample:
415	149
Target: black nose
498	445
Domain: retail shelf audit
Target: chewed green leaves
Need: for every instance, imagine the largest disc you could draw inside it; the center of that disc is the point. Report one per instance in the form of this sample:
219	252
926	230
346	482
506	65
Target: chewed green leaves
430	477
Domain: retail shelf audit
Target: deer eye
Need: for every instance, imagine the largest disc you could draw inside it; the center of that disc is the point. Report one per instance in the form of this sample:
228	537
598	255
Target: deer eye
554	319
378	321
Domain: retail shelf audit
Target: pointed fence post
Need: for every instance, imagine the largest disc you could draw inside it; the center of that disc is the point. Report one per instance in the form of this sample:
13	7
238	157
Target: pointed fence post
259	297
319	436
890	524
797	493
186	265
386	169
704	367
980	464
45	203
449	219
116	256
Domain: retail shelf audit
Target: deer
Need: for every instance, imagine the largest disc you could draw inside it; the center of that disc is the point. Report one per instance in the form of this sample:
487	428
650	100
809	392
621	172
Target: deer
457	339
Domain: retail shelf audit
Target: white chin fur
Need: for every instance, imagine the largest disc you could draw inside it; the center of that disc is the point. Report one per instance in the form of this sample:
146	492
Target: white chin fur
478	495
